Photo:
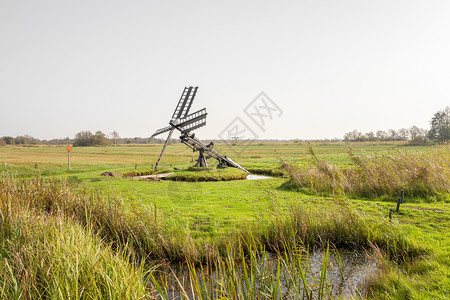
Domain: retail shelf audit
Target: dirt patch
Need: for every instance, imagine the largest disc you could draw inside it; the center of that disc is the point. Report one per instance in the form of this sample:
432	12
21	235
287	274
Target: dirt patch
111	174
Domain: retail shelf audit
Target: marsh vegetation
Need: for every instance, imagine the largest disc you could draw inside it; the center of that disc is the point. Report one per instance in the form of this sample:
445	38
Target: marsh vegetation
121	238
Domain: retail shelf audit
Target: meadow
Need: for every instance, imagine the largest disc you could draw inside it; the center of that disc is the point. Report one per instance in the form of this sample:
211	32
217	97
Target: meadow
130	228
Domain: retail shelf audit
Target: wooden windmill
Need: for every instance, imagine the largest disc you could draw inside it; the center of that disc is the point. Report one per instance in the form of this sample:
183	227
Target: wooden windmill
185	123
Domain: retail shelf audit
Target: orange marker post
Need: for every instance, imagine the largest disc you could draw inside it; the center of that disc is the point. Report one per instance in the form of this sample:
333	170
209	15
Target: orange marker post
69	148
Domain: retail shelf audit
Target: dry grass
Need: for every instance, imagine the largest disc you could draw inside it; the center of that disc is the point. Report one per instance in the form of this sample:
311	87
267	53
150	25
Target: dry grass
419	174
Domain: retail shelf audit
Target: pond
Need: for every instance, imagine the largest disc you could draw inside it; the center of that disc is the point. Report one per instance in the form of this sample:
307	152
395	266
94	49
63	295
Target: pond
341	274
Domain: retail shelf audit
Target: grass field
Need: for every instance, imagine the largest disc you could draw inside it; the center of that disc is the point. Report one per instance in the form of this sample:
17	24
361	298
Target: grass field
197	215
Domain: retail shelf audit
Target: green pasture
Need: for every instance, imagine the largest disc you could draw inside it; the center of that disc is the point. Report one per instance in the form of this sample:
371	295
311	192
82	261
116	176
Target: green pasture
214	208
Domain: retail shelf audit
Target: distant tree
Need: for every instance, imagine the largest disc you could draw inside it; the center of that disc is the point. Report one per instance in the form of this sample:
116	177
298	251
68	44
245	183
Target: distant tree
9	140
25	140
84	138
381	135
354	136
2	142
440	126
100	138
418	136
393	135
403	134
19	140
370	136
115	136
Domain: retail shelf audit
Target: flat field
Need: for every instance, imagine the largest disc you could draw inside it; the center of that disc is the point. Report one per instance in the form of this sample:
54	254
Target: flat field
211	210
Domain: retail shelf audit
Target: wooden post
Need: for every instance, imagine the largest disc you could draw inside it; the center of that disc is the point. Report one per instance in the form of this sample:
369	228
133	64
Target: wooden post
399	200
69	148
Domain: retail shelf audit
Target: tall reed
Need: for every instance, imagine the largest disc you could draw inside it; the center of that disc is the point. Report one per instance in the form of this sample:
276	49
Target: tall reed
419	174
44	257
260	276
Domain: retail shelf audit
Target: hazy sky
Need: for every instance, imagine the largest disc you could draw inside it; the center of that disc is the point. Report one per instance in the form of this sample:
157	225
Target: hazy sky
329	66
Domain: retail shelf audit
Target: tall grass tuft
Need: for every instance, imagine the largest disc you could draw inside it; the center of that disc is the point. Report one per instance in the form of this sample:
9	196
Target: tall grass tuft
338	224
419	174
45	257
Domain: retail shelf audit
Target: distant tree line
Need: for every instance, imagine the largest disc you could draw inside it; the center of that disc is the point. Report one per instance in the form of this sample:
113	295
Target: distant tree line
87	138
19	140
439	132
82	138
414	135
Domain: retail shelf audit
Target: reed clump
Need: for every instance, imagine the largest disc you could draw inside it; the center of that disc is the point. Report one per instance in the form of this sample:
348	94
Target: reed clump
45	257
259	276
337	224
419	174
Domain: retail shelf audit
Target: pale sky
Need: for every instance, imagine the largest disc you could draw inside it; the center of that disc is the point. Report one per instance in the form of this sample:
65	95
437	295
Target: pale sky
329	66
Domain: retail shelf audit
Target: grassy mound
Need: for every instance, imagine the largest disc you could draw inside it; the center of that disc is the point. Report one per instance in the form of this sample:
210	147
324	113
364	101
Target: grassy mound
274	172
198	174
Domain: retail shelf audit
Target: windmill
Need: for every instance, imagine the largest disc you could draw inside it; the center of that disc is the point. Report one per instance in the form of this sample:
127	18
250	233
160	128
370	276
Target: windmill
185	123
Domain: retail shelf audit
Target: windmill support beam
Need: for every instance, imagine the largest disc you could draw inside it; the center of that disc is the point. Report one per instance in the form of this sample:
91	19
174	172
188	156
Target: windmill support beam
202	161
192	142
164	147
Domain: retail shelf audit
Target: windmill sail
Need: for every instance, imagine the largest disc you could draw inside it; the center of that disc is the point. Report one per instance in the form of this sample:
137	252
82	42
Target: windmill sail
185	102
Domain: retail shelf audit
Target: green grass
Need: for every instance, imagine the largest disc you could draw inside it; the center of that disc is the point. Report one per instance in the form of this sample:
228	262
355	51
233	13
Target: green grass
202	216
